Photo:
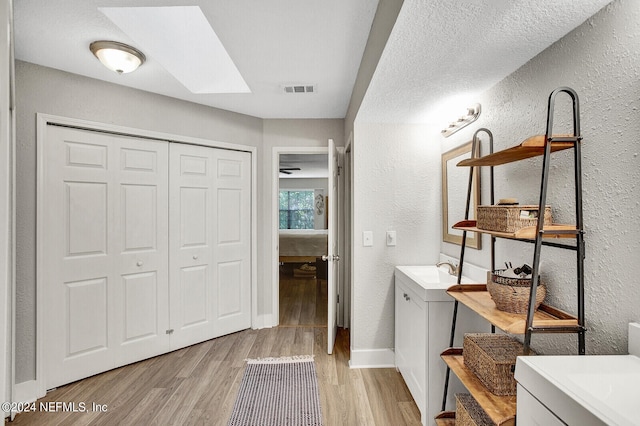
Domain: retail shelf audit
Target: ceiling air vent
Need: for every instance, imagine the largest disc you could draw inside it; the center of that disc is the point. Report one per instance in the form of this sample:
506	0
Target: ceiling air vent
300	88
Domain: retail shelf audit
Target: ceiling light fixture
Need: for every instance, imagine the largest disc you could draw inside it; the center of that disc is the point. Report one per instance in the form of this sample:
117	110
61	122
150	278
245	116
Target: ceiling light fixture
472	115
118	57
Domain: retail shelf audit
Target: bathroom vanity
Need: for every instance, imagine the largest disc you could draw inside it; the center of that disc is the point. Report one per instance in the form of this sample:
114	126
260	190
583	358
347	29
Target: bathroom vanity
423	313
580	390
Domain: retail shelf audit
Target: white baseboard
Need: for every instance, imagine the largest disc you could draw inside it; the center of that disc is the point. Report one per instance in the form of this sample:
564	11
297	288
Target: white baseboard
372	358
26	391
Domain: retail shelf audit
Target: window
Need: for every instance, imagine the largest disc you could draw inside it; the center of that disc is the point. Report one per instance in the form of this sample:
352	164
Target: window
296	210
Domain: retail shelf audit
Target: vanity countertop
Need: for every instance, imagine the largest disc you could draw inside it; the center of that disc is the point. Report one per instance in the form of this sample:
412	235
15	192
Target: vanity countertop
428	281
587	390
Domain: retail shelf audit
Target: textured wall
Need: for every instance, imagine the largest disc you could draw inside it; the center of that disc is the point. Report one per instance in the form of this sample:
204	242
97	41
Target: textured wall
396	187
600	60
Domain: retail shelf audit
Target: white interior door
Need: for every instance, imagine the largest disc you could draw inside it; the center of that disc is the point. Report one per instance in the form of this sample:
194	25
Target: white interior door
210	254
192	216
232	244
333	255
104	237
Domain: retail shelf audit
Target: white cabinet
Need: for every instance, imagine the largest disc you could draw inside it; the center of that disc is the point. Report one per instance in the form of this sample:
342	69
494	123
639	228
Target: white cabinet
588	390
532	413
410	340
423	312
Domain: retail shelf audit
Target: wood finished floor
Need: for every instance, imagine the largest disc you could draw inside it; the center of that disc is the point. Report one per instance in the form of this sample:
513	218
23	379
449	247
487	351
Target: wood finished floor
198	385
303	301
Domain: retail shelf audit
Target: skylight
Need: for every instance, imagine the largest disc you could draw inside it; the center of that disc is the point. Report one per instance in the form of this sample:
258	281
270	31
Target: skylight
181	39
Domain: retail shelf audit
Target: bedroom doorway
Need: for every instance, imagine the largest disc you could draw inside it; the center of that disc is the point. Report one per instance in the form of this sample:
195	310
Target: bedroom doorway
302	238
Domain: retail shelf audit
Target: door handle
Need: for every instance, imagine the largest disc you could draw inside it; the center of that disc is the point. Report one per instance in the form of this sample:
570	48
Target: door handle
331	257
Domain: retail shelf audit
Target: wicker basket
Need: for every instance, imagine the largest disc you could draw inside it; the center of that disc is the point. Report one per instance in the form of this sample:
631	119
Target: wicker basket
469	412
512	294
510	218
492	357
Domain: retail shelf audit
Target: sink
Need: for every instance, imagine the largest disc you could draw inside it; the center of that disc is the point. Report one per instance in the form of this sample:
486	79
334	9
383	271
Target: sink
428	281
592	389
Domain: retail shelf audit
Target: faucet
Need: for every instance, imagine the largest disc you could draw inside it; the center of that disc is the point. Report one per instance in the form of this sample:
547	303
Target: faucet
453	269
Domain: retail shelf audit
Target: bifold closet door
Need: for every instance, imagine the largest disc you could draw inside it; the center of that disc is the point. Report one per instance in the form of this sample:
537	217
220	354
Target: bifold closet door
209	266
104	251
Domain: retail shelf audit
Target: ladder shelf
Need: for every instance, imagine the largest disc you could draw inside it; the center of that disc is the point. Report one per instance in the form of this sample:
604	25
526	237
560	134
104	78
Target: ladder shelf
545	319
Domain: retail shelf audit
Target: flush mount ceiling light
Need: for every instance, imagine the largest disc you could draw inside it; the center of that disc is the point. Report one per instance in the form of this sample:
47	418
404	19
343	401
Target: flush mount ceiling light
118	57
472	115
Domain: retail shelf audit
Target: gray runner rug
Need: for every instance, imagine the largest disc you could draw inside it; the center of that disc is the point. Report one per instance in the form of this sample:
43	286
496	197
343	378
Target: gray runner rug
278	392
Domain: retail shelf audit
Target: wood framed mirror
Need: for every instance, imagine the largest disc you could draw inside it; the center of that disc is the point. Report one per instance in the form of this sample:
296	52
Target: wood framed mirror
455	181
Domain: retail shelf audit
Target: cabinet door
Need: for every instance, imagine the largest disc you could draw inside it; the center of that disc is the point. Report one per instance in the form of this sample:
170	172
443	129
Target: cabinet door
411	335
532	413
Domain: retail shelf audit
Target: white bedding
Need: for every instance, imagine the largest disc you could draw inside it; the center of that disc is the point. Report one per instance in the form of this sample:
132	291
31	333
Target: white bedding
303	242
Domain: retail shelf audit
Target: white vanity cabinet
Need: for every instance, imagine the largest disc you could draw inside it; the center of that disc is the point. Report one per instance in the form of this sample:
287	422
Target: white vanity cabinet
423	313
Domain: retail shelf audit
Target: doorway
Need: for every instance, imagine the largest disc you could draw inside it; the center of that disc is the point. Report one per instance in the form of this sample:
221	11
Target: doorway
302	239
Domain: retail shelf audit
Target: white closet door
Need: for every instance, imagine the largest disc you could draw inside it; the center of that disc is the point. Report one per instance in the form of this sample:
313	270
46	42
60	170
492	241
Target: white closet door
104	252
232	247
209	243
192	226
142	249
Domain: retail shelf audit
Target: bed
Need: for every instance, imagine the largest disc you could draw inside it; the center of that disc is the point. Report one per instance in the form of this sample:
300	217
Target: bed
302	245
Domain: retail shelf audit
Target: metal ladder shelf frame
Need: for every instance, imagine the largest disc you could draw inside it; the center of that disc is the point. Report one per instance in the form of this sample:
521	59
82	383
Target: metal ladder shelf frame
538	242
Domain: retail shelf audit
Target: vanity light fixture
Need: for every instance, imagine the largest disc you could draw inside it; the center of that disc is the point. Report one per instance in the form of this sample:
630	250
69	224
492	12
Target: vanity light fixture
116	56
472	115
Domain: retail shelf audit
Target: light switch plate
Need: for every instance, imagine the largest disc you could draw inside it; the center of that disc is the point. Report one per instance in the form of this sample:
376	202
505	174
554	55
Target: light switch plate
367	238
391	238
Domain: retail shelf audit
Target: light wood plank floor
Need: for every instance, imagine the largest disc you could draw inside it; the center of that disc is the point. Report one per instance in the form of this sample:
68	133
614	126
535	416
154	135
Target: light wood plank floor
303	301
198	385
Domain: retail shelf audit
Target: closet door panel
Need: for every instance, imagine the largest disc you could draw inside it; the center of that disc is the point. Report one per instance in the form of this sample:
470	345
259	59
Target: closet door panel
232	251
141	193
192	216
77	263
104	252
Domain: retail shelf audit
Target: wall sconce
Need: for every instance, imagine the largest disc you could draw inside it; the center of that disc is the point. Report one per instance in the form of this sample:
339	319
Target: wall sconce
118	57
472	115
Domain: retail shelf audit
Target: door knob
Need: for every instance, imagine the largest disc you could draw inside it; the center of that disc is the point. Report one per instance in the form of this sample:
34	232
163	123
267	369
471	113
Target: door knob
195	257
332	257
139	263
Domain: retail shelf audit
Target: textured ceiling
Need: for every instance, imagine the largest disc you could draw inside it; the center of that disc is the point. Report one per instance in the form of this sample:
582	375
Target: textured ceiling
441	53
272	43
439	50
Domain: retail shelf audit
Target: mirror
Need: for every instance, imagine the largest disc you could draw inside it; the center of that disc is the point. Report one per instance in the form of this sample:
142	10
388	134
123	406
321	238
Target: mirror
455	181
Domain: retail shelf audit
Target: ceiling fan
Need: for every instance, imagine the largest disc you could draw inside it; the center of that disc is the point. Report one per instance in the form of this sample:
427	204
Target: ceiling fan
287	170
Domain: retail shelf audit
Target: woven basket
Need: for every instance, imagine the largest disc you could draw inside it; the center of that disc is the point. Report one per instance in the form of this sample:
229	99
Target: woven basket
510	218
512	294
492	357
469	412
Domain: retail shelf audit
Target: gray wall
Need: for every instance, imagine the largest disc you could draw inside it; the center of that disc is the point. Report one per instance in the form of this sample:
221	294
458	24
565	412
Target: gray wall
45	90
600	60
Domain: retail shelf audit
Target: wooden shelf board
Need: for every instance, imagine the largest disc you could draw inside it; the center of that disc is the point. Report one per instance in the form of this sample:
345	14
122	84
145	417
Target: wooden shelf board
555	230
532	147
501	409
446	418
477	298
